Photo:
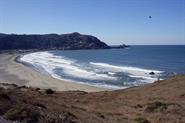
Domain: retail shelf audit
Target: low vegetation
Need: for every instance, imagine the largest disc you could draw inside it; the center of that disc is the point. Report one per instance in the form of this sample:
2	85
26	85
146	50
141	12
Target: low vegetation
49	91
160	102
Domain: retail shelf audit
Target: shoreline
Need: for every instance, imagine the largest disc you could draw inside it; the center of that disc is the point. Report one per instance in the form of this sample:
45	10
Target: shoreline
14	72
160	102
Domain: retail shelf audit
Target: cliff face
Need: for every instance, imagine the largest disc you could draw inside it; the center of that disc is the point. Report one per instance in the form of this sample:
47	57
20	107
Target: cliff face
50	41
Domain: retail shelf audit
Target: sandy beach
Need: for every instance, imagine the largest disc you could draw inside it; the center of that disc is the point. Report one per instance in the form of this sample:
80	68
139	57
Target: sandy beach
16	73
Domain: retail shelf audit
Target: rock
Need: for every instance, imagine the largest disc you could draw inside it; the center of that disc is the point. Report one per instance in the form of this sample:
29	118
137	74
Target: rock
119	46
152	73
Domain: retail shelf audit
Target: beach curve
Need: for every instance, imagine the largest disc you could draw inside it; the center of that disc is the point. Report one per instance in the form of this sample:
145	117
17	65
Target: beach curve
17	73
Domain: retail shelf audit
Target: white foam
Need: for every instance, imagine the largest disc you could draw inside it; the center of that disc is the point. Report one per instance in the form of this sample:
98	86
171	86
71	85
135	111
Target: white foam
135	72
111	73
49	62
123	68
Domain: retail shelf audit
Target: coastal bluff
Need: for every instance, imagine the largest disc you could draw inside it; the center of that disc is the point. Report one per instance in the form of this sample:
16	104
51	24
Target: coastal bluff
159	102
71	41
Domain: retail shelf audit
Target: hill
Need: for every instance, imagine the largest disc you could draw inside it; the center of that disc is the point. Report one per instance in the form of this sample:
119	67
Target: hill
70	41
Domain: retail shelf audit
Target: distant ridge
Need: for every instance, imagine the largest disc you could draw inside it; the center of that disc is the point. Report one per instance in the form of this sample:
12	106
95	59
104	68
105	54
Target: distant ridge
71	41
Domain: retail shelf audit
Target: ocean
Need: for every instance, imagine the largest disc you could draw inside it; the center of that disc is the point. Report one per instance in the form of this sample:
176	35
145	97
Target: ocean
111	68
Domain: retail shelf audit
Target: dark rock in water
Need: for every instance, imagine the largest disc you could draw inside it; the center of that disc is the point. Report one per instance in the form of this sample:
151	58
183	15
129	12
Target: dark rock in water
152	73
119	46
72	41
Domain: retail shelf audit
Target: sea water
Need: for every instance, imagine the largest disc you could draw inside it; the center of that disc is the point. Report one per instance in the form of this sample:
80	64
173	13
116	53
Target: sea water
111	68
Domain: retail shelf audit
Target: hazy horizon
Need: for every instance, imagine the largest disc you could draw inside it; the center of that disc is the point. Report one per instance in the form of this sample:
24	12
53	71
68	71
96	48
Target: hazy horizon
112	21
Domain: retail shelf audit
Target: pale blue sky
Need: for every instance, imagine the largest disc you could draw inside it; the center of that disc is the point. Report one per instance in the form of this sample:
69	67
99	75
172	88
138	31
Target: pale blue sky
112	21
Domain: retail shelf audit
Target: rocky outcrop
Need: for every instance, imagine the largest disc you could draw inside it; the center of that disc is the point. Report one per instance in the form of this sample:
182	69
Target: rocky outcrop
119	46
152	73
50	41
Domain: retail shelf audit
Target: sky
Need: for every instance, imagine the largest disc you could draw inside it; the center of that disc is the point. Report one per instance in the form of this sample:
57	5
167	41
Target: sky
112	21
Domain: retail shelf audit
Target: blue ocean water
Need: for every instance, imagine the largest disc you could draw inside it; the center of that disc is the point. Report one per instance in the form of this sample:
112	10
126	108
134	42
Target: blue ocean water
112	68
